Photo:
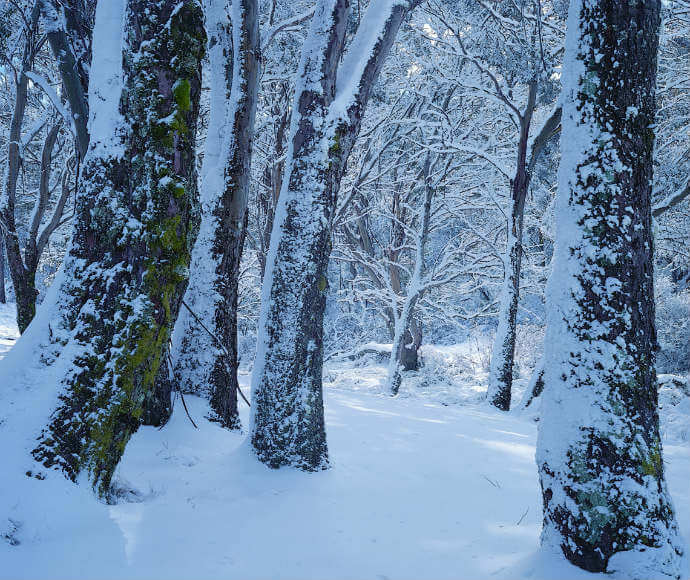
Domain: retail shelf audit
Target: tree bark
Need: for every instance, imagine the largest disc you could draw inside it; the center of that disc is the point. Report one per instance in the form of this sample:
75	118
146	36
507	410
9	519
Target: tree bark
128	266
73	71
502	358
404	321
231	211
599	452
287	404
205	363
287	408
24	287
3	296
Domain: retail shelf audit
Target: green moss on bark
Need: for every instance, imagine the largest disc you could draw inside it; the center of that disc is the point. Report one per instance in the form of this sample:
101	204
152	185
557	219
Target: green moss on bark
133	242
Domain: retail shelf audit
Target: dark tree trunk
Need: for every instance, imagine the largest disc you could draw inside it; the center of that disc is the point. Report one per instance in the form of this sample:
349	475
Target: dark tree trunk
207	358
599	452
127	269
68	28
22	279
287	409
231	212
3	296
502	358
409	355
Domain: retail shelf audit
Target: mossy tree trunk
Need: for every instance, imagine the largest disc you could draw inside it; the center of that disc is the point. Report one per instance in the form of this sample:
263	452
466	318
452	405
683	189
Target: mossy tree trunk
128	266
606	504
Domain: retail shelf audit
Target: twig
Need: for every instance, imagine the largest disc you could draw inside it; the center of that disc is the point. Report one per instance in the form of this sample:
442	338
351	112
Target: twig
178	390
219	344
494	483
522	517
184	404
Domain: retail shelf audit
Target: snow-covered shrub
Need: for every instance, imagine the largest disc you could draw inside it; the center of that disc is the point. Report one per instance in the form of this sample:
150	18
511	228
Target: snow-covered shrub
673	327
674	407
528	347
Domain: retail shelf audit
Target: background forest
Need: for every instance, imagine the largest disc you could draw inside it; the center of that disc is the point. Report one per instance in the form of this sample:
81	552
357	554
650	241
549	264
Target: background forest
407	154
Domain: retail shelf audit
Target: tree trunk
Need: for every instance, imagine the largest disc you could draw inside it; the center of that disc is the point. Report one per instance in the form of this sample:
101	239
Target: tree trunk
409	355
503	355
127	268
231	212
73	71
415	291
3	296
22	280
606	505
536	385
287	408
224	223
287	404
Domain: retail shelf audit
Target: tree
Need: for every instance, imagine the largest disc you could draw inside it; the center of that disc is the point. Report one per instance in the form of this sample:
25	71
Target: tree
330	100
69	28
23	275
24	261
127	268
208	354
606	506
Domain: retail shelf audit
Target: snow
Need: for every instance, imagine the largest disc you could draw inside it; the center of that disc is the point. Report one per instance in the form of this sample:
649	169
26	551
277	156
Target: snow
105	80
420	487
8	329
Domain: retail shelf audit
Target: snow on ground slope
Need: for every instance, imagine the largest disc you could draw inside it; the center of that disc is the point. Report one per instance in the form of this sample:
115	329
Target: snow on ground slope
8	327
421	487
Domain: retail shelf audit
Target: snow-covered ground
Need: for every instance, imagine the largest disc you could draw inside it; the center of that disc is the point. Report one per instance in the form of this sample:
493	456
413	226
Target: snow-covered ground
431	484
8	328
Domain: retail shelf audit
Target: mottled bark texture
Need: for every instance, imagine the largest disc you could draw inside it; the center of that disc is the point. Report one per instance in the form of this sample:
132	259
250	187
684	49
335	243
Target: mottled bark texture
287	408
207	359
231	210
606	505
3	296
128	265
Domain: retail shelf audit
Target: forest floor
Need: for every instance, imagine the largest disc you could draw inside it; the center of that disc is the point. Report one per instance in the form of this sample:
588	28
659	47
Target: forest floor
432	484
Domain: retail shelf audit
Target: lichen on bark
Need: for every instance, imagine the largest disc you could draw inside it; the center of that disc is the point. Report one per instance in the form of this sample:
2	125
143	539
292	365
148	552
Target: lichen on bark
599	448
131	248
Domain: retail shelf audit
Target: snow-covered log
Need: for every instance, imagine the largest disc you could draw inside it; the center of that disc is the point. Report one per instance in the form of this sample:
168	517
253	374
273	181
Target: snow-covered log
599	453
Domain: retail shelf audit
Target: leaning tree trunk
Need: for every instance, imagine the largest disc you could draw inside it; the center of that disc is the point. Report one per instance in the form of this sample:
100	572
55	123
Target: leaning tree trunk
606	504
208	359
287	408
127	268
404	321
503	355
65	26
